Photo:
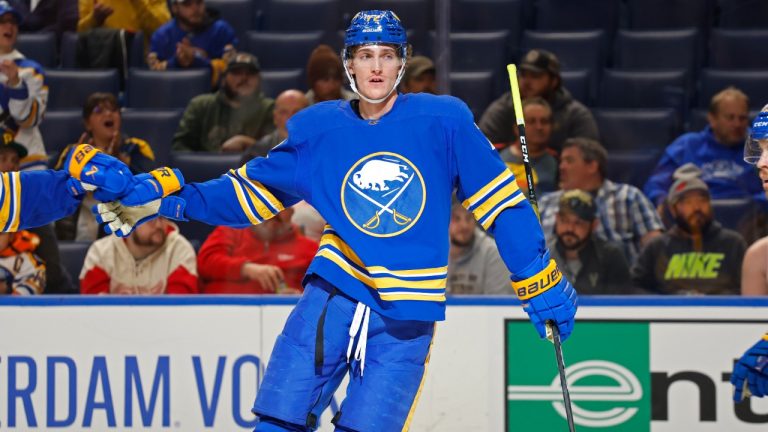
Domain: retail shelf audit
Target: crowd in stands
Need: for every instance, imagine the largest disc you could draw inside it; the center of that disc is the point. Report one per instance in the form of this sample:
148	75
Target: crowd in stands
637	160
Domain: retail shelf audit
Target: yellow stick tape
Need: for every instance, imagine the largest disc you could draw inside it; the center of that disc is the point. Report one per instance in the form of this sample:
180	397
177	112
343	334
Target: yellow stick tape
512	71
538	283
167	179
83	154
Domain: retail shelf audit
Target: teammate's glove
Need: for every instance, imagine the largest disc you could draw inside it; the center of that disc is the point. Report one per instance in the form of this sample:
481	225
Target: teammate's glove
752	367
547	296
92	170
147	200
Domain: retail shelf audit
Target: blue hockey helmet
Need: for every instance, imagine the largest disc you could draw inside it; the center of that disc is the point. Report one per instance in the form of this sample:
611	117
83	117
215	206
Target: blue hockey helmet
375	27
759	133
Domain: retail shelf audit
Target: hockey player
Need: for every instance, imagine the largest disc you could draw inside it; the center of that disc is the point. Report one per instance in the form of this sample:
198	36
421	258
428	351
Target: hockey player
381	172
32	198
752	367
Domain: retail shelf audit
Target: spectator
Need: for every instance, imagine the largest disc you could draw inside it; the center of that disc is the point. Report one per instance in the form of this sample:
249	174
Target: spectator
24	93
419	76
231	119
538	131
268	258
625	215
129	15
154	259
596	266
325	75
102	122
540	76
474	263
718	150
56	16
287	104
21	271
192	39
697	255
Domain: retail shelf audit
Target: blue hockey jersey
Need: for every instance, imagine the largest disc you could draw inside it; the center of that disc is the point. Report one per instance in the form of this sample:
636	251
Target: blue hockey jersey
33	198
384	187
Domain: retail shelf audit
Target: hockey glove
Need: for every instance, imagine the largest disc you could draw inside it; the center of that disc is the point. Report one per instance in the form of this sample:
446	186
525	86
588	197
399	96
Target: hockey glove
147	200
546	296
752	368
92	170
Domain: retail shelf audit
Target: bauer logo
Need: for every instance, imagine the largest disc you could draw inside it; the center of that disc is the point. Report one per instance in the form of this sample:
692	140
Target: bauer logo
609	381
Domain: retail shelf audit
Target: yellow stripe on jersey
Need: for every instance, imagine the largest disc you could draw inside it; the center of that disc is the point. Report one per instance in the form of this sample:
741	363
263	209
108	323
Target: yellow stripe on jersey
5	208
479	195
15	217
263	191
492	217
420	297
31	117
242	199
492	201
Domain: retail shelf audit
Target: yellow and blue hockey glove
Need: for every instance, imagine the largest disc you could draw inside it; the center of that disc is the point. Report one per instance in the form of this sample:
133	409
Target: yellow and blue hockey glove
92	170
147	200
752	368
546	296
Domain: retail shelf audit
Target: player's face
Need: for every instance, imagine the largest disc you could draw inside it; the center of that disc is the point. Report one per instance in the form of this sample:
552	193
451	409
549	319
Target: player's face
762	164
536	84
241	82
103	123
9	30
9	160
571	230
462	227
730	122
150	234
575	172
190	12
693	211
538	126
375	69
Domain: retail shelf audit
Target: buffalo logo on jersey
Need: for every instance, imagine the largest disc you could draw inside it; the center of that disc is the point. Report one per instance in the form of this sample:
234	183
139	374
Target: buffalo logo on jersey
383	194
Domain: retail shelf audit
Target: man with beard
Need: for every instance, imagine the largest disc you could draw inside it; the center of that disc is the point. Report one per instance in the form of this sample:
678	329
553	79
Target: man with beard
696	256
192	39
474	263
154	259
595	265
232	119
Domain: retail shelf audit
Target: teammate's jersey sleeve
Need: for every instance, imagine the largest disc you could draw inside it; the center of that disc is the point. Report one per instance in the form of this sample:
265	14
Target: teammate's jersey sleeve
32	198
489	191
249	195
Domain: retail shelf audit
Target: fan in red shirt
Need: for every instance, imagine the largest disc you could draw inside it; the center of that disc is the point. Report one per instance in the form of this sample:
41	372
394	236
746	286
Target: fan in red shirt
268	258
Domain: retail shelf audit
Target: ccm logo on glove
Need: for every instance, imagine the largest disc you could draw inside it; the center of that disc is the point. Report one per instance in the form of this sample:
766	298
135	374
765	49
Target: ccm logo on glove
538	283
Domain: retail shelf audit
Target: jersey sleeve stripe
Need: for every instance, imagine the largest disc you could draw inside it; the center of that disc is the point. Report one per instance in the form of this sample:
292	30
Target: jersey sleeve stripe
244	204
510	189
485	190
5	207
15	209
490	217
266	196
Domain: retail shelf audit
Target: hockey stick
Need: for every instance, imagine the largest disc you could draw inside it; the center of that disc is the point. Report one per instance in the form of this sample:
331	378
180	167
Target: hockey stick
553	333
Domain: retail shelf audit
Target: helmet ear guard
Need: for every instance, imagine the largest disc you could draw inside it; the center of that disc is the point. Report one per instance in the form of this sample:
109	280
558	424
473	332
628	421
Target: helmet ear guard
753	151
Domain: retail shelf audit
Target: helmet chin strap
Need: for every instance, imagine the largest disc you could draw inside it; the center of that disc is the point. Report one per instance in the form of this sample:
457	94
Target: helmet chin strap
367	99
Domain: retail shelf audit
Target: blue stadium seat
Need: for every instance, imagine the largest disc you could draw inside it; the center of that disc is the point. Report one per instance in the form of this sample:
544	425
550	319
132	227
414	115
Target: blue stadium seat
741	14
636	129
40	47
275	82
68	88
417	15
72	255
577	82
575	50
237	13
474	88
658	49
667	14
154	126
282	50
169	89
697	119
477	51
632	166
488	15
643	89
568	15
302	16
61	128
738	49
68	50
732	212
752	82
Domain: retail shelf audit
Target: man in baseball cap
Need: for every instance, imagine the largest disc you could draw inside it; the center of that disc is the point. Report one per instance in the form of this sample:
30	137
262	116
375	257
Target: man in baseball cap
419	76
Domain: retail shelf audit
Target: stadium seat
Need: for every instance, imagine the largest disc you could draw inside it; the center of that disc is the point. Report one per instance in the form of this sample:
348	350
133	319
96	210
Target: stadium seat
275	82
632	166
732	212
477	51
68	88
68	50
169	89
474	88
40	47
157	127
636	129
577	82
61	128
282	50
742	14
658	49
569	15
643	89
738	49
72	255
667	14
754	83
488	15
302	16
697	119
237	13
575	50
417	15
